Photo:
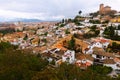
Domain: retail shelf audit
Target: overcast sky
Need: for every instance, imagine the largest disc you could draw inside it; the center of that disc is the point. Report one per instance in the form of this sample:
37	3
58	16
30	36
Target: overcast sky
50	9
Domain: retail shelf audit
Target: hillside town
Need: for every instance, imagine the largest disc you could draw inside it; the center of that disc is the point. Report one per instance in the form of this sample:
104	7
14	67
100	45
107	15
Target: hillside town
87	40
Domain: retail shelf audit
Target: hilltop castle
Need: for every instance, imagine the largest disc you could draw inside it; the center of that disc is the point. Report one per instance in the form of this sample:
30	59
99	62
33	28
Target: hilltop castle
106	9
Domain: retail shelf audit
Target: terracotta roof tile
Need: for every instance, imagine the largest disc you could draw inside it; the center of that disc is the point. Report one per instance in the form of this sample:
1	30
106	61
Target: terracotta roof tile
109	61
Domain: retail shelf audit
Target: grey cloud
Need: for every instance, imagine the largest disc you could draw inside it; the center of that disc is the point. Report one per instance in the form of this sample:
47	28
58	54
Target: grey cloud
67	8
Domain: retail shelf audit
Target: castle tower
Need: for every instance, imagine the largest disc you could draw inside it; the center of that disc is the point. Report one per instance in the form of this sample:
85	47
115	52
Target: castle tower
101	9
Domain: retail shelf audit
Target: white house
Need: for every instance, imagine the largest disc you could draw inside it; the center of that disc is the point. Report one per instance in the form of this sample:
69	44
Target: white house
90	47
69	56
84	60
110	63
98	42
101	55
118	32
57	32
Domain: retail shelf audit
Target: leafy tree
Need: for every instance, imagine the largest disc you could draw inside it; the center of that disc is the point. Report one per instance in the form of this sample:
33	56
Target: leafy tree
46	33
93	27
70	20
118	27
97	32
106	21
94	32
110	33
80	12
22	65
67	31
26	37
39	55
48	74
71	43
6	31
61	25
95	21
102	70
114	47
19	65
63	20
4	46
95	14
52	62
44	40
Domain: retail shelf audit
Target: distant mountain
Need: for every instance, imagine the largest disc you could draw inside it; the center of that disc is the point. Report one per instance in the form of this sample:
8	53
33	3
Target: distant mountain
4	19
19	19
25	20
